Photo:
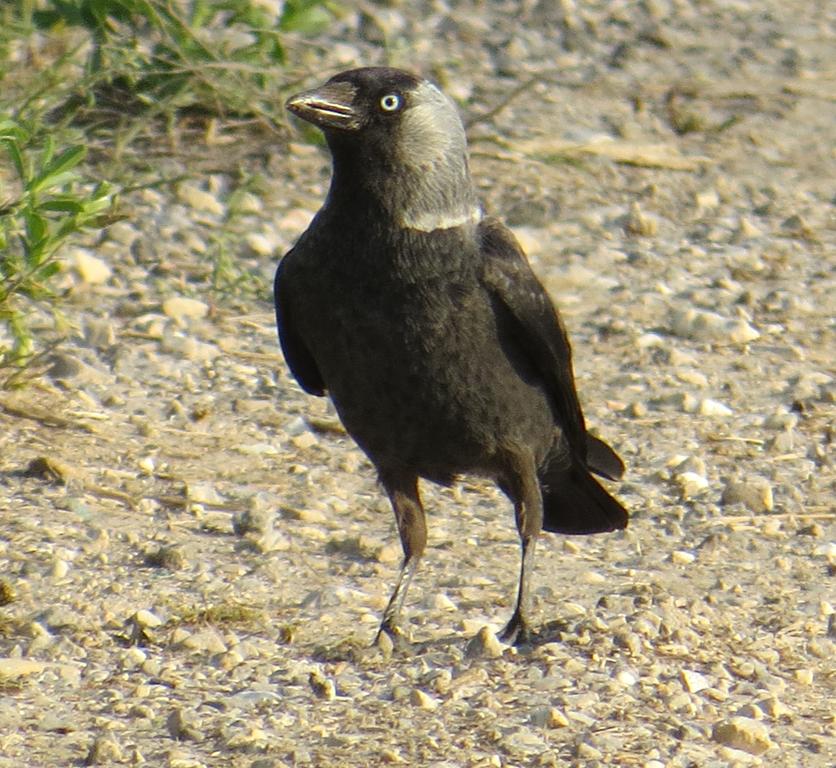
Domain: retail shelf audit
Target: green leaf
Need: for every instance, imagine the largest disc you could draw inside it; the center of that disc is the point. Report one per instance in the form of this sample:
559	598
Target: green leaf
56	171
10	129
14	152
305	16
36	227
62	204
52	268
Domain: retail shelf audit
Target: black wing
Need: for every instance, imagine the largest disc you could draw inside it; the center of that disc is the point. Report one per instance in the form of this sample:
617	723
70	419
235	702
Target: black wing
539	331
299	359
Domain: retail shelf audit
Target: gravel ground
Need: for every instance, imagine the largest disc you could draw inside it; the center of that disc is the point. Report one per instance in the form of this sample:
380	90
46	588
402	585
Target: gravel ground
194	557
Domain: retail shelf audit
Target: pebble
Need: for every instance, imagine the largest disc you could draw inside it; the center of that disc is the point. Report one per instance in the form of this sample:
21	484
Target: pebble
440	602
184	725
99	333
104	750
123	232
746	229
182	308
322	686
60	569
61	617
703	325
423	700
206	640
11	668
691	484
90	269
133	658
145	618
189	348
804	676
484	644
754	493
204	493
694	681
709	407
259	244
682	557
626	677
774	708
169	556
744	734
640	223
741	332
255	520
200	200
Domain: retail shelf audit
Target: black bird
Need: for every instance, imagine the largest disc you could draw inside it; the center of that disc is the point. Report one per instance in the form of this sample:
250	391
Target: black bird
423	321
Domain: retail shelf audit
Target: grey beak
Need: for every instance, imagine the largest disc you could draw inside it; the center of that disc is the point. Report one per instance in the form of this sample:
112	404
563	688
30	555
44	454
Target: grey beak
328	106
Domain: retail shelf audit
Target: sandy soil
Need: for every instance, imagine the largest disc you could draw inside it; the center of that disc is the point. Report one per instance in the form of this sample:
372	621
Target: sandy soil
194	557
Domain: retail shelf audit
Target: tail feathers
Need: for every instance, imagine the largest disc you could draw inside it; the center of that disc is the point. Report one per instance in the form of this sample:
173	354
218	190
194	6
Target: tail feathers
574	502
602	459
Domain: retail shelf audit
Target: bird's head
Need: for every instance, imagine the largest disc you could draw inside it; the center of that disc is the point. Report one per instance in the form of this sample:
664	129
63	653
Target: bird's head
397	141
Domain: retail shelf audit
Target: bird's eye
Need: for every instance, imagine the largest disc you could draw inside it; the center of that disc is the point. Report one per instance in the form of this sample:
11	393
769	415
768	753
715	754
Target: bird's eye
391	102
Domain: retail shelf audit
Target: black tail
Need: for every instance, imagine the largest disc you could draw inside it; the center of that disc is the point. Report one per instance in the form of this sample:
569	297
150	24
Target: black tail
602	459
574	502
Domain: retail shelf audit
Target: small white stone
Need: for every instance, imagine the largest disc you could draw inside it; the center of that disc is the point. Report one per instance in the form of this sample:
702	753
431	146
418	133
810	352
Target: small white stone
689	403
697	378
691	484
147	465
204	493
207	640
740	332
691	323
259	244
199	199
91	269
650	340
746	229
626	677
681	557
145	618
133	657
440	602
694	681
707	199
709	407
123	232
804	676
181	308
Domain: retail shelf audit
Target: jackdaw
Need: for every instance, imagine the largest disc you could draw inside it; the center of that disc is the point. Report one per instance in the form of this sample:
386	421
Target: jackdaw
423	321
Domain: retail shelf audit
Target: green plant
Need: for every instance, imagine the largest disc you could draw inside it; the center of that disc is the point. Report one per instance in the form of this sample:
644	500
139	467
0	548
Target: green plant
211	55
53	204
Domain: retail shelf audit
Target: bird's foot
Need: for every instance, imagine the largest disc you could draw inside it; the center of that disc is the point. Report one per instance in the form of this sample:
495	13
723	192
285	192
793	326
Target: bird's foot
516	632
390	636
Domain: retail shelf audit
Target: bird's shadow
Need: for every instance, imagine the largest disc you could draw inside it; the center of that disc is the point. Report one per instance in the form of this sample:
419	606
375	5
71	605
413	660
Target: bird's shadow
359	650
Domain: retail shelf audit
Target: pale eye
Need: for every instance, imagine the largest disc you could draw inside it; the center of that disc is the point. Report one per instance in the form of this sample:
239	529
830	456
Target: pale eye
391	102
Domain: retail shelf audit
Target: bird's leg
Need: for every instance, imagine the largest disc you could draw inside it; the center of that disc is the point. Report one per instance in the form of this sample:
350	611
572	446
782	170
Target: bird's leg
524	489
517	630
412	526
